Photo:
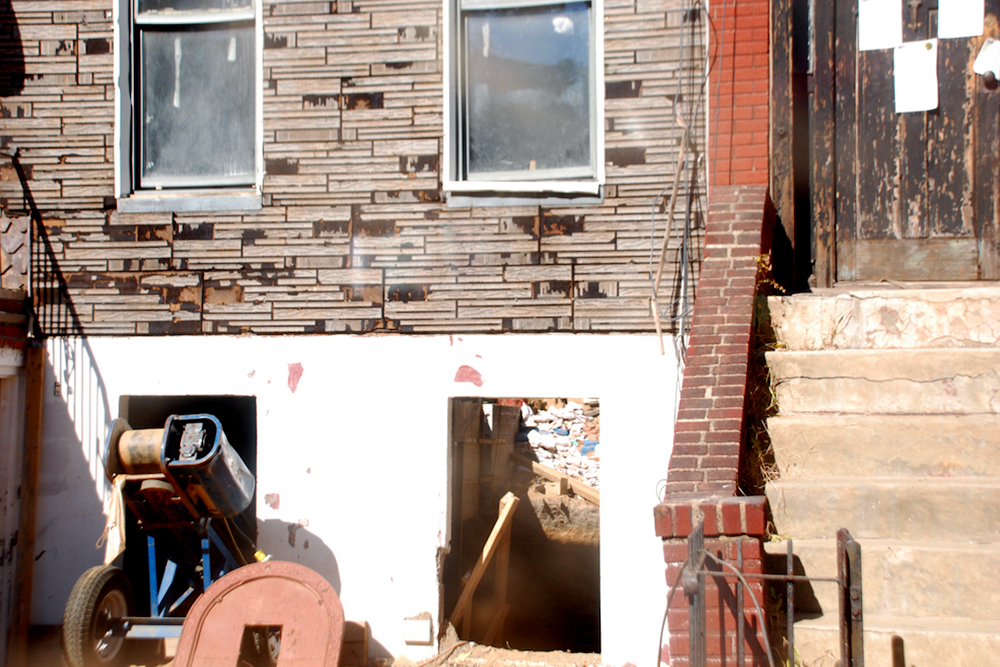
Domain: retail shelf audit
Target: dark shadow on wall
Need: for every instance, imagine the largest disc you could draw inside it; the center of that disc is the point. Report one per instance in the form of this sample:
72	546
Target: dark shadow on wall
70	519
293	542
12	75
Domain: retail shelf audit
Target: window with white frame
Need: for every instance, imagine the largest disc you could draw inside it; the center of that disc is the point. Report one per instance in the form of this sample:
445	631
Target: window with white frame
188	83
524	104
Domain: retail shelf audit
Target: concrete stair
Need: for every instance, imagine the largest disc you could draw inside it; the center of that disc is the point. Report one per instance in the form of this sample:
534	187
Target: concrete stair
889	426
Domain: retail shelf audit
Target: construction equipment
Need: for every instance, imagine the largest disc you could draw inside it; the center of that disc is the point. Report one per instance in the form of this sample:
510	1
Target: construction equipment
188	489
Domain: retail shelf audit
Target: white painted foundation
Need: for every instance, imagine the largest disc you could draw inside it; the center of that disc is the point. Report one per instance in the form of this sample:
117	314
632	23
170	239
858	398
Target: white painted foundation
358	456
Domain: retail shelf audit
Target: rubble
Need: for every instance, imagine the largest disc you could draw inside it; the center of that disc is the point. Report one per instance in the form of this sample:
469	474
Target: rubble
565	438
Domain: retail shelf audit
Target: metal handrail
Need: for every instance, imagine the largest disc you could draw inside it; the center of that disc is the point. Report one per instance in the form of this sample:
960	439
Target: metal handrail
848	579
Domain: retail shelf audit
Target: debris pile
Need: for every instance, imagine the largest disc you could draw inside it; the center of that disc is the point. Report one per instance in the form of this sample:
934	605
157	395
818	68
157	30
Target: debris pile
566	439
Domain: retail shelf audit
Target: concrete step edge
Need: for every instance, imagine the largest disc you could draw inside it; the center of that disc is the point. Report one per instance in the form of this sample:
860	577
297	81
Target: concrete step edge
881	364
828	445
989	482
916	293
780	547
930	625
871	420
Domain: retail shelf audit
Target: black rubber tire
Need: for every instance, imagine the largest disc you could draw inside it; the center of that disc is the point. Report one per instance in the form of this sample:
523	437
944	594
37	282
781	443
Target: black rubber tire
101	593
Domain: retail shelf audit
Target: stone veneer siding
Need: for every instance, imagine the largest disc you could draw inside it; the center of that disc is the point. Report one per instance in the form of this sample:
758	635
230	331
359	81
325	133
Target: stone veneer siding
353	235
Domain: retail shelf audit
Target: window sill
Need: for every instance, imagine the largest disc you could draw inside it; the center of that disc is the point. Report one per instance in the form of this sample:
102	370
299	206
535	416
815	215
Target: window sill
465	197
521	188
189	201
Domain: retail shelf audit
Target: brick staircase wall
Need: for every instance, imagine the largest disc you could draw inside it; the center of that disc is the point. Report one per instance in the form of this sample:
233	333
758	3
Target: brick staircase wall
710	428
711	420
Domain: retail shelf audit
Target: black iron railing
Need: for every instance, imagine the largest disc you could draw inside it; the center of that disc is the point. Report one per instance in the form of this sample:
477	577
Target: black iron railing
702	564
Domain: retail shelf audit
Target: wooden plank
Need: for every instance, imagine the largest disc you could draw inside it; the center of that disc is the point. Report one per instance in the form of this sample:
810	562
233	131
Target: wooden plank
354	650
878	182
846	121
822	148
782	122
463	608
581	489
917	259
950	138
34	373
986	198
912	136
494	634
496	626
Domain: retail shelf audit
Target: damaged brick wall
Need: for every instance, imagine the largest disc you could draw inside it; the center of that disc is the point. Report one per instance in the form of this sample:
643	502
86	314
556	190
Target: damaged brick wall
353	235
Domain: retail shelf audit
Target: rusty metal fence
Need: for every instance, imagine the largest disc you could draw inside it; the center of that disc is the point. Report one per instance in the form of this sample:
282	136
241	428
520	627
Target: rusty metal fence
702	564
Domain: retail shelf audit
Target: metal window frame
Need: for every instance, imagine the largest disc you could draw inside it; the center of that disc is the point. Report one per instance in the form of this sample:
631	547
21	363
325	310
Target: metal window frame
186	195
561	182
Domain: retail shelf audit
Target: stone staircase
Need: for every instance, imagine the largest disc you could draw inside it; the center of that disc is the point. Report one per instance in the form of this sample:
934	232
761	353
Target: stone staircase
889	426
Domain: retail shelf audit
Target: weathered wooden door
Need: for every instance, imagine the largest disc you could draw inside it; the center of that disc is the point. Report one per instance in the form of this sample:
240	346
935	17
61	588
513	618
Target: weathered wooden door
913	196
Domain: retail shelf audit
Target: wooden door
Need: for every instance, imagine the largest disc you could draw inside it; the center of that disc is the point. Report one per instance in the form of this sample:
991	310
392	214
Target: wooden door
908	197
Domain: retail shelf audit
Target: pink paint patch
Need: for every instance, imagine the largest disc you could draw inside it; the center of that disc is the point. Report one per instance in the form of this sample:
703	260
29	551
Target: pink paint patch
294	375
273	500
469	374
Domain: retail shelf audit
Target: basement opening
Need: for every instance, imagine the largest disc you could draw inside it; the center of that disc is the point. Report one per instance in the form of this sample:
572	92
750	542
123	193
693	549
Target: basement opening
238	417
524	491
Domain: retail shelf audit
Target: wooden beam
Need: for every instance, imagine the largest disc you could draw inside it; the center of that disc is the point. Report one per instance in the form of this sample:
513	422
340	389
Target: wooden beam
823	147
463	608
581	489
34	373
496	627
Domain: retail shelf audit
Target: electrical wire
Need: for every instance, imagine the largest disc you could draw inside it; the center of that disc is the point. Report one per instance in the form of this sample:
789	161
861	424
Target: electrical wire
666	612
739	575
760	612
679	311
718	83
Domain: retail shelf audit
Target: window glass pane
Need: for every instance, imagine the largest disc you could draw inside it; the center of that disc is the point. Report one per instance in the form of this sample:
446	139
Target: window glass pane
197	107
143	6
527	104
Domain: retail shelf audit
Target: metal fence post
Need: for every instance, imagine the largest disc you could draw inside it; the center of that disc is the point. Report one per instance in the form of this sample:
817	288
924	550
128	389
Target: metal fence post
857	622
694	588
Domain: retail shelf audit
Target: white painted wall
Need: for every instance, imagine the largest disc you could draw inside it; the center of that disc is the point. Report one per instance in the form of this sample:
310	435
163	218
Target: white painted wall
357	454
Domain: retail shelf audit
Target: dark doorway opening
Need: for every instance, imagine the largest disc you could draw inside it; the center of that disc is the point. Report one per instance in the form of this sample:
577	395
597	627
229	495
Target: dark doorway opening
546	595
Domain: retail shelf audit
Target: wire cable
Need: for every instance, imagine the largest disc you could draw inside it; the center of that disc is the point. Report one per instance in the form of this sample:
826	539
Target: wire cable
760	612
679	311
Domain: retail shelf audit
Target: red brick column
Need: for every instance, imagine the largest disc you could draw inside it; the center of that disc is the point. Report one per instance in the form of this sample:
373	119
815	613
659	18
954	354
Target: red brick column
739	93
732	525
709	432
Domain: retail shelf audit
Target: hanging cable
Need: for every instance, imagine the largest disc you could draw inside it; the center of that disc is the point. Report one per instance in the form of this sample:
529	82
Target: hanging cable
678	306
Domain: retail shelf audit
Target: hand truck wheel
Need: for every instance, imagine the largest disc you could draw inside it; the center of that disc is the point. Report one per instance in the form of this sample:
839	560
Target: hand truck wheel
91	629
